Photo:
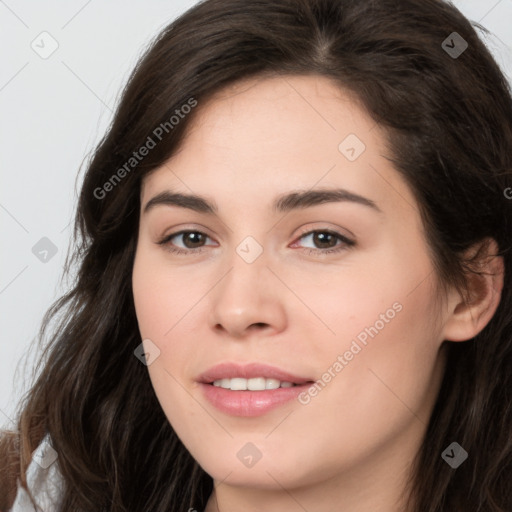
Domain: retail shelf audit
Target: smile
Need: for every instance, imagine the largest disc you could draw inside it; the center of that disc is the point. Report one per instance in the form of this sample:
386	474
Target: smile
250	390
254	384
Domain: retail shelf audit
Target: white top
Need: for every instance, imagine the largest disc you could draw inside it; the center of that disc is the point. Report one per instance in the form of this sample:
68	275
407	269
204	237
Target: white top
43	479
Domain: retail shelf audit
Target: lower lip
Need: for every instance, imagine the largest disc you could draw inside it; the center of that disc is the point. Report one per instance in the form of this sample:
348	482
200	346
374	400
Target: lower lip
250	403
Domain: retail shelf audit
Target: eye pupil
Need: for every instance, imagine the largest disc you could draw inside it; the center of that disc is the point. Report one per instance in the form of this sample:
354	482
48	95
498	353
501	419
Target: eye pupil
191	235
321	238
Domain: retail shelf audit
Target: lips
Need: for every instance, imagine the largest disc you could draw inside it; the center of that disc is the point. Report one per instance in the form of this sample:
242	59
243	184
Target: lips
250	371
227	387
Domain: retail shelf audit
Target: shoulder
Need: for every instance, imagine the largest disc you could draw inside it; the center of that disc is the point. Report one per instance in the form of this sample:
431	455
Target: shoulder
44	481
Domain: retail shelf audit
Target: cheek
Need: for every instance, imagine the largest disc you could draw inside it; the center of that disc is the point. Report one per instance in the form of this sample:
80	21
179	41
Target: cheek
381	347
166	305
163	297
382	302
161	304
383	359
380	386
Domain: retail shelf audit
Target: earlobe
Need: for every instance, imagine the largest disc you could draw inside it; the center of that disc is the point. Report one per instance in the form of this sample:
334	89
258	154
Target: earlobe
469	315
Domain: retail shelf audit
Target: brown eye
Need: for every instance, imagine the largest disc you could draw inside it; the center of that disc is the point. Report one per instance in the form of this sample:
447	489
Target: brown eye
326	241
191	241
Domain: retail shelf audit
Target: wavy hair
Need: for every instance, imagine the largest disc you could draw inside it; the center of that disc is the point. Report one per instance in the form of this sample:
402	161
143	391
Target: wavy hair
448	126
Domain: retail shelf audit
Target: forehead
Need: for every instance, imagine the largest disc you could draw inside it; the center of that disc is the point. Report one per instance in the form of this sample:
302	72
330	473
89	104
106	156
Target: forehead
280	111
261	135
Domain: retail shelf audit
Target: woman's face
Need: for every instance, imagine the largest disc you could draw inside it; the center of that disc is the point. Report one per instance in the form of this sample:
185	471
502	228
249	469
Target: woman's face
275	284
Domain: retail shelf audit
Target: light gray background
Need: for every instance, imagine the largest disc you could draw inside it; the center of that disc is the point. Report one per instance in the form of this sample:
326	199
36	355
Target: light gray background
53	112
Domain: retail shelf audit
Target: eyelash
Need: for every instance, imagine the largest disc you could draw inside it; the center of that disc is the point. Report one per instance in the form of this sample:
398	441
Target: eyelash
346	242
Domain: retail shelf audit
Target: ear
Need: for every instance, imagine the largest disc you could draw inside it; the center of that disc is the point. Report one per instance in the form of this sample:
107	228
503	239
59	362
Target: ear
467	316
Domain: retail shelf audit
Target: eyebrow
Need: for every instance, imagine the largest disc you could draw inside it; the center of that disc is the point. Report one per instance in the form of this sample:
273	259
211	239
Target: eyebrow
284	203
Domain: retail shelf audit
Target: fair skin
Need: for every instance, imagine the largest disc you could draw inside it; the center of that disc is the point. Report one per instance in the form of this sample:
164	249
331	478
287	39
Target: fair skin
352	443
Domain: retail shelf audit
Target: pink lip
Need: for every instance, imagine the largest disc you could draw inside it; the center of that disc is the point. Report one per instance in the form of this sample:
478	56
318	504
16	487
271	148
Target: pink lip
249	371
249	403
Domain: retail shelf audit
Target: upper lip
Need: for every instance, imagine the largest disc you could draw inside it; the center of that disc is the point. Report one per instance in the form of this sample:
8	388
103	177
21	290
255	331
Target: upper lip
249	371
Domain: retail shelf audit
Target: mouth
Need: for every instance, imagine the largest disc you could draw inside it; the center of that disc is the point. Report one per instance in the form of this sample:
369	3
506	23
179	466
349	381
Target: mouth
250	390
253	384
250	377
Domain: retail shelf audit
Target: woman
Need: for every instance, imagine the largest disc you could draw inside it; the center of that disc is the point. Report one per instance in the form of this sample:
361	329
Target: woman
295	275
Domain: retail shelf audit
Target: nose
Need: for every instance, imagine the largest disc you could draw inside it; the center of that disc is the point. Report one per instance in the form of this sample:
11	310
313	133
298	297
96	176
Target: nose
248	299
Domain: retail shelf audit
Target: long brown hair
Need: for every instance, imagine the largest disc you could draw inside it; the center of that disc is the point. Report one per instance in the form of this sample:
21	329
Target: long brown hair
448	120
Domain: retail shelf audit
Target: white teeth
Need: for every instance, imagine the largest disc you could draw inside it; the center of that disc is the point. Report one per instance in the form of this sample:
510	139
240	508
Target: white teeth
238	384
254	384
272	384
